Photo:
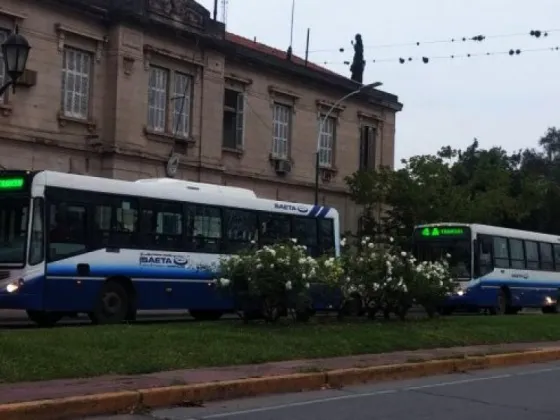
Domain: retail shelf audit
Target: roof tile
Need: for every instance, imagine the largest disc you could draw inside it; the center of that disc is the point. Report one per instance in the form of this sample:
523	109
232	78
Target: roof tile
266	49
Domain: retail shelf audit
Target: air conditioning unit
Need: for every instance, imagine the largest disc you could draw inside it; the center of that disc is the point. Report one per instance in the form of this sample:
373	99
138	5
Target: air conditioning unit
283	166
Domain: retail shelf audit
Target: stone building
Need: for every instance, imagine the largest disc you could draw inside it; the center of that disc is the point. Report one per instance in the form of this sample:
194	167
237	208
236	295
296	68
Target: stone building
116	87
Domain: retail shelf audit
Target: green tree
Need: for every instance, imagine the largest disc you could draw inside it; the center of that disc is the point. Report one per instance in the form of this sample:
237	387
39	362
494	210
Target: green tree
472	185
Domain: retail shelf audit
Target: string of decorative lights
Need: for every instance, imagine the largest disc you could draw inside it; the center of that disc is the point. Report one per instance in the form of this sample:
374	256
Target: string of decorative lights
426	60
534	33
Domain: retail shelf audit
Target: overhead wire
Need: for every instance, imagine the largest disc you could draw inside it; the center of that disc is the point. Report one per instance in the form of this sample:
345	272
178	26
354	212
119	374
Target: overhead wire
535	33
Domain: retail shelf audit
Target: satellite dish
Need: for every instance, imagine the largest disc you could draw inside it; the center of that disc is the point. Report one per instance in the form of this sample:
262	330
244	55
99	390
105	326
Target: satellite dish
172	165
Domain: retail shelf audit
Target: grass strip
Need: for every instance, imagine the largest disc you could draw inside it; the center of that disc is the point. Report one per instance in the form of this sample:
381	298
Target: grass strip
80	352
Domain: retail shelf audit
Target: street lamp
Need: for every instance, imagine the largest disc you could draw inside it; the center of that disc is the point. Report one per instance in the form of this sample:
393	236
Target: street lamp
15	51
321	125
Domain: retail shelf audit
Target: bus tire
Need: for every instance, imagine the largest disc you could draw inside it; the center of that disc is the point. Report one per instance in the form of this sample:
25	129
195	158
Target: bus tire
43	318
205	315
113	304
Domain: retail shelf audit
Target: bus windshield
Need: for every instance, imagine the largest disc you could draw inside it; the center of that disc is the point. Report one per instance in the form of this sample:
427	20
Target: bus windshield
14	216
453	243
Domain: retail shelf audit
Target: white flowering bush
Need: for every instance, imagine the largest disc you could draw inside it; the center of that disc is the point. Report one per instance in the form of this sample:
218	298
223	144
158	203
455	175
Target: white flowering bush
430	284
272	281
380	277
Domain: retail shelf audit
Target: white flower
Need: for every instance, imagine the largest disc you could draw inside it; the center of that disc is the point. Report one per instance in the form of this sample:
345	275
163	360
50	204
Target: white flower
448	255
271	265
304	276
363	242
391	240
288	285
294	240
403	254
343	242
302	261
253	242
370	245
259	266
307	285
348	279
224	282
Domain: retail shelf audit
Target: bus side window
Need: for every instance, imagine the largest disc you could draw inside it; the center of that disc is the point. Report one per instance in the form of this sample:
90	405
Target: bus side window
501	254
162	225
547	258
557	257
485	264
517	254
241	229
274	228
206	235
532	252
67	230
305	232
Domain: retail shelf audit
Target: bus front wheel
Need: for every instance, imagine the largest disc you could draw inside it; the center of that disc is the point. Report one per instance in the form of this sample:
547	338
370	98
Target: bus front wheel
44	318
112	306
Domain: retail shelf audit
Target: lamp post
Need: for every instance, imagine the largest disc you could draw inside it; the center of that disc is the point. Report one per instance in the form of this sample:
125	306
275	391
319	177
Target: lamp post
321	125
15	51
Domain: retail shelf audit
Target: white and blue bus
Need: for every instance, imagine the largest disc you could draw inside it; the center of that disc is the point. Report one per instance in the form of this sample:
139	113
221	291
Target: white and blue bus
498	269
72	244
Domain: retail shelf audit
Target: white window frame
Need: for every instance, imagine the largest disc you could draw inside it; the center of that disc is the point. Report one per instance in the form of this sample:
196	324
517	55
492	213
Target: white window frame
158	87
182	95
281	130
327	140
77	69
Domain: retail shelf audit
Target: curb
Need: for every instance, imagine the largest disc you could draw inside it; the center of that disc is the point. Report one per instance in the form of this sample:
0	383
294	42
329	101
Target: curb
146	399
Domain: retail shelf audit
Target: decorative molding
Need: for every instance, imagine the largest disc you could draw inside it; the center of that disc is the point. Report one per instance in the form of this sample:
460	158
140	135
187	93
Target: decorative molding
181	11
64	120
150	51
128	64
62	30
362	115
276	91
6	109
231	77
16	17
324	106
166	137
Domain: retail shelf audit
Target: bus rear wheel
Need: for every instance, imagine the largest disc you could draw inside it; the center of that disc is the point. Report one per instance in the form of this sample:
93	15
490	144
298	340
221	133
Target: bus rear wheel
44	318
206	315
112	306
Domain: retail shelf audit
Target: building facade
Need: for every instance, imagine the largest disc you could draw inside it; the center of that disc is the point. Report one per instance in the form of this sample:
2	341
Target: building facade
151	88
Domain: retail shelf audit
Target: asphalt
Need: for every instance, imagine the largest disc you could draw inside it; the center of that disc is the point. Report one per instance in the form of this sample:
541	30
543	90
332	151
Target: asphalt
521	393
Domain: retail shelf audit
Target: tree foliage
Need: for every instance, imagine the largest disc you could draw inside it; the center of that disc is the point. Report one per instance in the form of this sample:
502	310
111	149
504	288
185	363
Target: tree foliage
474	185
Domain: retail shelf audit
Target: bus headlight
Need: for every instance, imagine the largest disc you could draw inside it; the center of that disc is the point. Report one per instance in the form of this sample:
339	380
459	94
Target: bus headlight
13	287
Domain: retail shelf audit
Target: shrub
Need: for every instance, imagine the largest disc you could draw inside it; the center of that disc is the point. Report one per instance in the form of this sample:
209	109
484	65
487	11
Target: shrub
383	278
271	281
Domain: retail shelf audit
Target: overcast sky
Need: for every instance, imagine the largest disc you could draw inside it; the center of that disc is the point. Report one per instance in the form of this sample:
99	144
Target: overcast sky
501	100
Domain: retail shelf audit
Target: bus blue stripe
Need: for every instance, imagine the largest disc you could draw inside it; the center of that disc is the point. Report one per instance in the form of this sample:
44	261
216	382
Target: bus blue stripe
314	211
323	212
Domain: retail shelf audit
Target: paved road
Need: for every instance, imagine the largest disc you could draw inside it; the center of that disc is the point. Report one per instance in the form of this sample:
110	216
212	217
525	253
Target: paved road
529	392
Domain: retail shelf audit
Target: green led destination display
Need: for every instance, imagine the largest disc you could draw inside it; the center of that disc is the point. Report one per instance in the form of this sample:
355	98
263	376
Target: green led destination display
438	232
11	184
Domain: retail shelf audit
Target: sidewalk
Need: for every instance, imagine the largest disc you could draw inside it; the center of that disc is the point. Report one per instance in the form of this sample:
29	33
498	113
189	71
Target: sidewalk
32	391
